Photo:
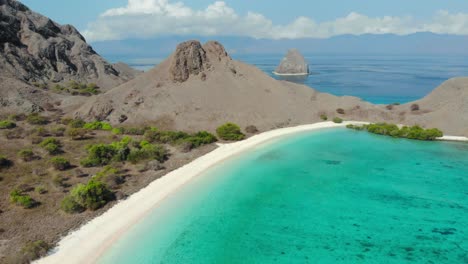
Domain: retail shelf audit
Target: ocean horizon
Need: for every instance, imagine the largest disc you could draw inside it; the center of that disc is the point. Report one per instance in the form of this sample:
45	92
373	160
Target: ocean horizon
379	79
327	196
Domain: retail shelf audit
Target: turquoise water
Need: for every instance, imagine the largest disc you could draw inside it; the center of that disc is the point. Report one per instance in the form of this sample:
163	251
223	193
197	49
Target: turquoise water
329	196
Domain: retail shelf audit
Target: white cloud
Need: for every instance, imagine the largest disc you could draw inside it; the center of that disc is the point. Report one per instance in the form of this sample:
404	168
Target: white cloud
150	18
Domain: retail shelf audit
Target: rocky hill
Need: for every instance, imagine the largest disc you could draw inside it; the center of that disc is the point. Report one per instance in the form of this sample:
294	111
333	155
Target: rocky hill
36	50
445	107
200	87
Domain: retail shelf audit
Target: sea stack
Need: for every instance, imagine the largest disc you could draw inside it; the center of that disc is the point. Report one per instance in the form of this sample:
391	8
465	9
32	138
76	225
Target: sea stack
293	64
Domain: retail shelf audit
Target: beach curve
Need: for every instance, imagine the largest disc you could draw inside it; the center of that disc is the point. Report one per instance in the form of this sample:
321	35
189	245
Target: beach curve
96	236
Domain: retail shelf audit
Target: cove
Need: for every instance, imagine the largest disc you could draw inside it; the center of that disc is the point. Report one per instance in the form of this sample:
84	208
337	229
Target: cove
327	196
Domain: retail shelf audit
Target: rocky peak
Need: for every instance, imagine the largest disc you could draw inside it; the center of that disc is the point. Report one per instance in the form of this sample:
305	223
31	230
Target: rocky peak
189	59
293	63
33	48
192	58
216	50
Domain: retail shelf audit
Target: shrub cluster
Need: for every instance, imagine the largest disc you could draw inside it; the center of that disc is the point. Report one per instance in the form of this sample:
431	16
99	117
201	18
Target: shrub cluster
76	88
103	154
26	154
92	195
180	138
7	124
52	145
77	133
21	199
110	176
414	132
36	119
60	163
230	131
337	120
147	151
34	250
98	125
324	117
133	131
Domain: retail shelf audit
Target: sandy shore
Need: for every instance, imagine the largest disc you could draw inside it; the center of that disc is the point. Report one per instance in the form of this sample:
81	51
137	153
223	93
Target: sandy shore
88	243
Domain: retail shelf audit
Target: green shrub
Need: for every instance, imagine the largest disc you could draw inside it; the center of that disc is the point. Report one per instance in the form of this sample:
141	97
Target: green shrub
148	151
152	135
93	196
34	250
52	145
230	131
58	131
36	119
201	138
6	124
102	154
414	132
26	154
20	199
324	117
69	205
77	133
337	120
117	131
98	125
77	123
60	163
110	176
4	162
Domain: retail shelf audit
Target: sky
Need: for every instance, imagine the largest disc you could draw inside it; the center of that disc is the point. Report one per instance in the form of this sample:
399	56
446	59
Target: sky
121	19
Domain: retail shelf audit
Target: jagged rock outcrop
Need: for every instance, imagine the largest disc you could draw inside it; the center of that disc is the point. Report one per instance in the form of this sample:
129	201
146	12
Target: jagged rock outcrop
189	59
293	64
37	52
34	48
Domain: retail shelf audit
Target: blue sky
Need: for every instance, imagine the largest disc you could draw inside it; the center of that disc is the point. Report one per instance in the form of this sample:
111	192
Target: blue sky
283	15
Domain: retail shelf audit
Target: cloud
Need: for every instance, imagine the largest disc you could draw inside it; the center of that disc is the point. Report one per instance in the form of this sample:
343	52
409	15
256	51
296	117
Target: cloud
152	18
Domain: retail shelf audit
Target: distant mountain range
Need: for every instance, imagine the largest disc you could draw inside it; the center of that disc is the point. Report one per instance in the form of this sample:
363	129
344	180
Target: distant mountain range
419	43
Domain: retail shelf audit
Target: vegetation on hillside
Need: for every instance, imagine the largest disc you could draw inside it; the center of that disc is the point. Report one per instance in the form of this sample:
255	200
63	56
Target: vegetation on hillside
37	171
414	132
230	131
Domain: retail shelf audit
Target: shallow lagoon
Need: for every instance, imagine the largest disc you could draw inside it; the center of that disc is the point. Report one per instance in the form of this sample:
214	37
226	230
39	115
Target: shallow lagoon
329	196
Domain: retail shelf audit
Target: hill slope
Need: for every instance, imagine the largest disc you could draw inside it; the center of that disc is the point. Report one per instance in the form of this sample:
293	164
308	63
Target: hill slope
201	87
36	50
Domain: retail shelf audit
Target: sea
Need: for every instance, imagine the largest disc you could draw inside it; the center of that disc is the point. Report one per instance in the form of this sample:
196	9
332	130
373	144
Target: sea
326	196
379	79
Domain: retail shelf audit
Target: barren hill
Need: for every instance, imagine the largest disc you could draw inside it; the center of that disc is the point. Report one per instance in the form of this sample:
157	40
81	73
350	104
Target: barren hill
36	50
201	87
446	107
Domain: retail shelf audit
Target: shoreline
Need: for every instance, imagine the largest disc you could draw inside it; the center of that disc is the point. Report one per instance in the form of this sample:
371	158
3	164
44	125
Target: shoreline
88	243
290	74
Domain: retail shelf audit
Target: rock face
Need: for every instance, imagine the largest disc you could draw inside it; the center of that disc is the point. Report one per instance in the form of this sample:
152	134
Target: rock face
36	50
293	64
189	59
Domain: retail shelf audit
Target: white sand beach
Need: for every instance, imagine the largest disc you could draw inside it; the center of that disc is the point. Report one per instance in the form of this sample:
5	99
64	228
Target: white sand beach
88	243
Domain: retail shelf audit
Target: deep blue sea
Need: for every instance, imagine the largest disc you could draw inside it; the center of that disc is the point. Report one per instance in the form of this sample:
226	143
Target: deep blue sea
379	79
332	196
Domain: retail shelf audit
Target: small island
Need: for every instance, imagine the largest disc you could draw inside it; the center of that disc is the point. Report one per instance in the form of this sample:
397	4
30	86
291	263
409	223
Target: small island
293	64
